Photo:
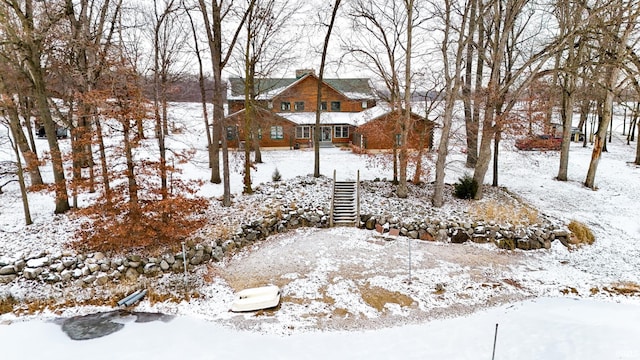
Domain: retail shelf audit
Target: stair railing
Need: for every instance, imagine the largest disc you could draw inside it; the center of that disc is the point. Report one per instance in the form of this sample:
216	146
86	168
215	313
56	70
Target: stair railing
333	195
357	222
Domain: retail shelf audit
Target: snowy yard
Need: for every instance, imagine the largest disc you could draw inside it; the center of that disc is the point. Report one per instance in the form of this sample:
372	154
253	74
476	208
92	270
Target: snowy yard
549	304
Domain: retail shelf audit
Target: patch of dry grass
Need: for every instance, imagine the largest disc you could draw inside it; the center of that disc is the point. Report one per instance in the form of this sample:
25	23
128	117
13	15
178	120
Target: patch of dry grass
377	297
341	312
513	283
569	290
108	296
626	288
581	234
7	304
504	213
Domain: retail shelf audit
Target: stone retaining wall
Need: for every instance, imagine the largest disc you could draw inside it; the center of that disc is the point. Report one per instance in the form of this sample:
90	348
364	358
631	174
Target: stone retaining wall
98	269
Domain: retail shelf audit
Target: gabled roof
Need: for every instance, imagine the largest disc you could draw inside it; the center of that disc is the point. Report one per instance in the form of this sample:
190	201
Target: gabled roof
268	88
261	112
341	118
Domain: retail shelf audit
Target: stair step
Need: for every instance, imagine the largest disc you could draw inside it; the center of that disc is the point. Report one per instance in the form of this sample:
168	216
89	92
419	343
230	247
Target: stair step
344	203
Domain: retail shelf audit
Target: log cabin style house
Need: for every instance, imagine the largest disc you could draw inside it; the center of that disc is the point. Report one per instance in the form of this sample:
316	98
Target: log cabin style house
285	113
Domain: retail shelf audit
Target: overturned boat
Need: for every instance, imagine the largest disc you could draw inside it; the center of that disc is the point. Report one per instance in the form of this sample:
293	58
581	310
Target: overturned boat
259	298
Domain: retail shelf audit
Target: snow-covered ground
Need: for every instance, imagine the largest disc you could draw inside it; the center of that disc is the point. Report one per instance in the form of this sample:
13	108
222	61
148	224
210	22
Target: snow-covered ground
539	329
588	325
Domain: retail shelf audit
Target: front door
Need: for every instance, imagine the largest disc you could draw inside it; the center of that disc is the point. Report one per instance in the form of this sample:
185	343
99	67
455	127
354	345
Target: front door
325	134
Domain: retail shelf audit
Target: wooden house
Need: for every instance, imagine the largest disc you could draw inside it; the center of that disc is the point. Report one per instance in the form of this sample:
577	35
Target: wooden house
295	99
349	114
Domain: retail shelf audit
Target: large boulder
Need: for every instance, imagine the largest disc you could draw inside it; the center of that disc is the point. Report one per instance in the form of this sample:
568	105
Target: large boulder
460	237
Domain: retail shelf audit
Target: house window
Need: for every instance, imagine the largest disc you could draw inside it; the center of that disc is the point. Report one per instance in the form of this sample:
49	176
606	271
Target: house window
285	106
303	132
277	132
299	105
231	132
270	105
364	104
335	106
323	106
398	140
341	131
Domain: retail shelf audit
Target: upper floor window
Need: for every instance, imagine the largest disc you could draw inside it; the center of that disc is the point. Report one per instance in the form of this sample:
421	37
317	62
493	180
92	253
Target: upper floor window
341	131
299	105
335	106
303	132
323	106
364	104
231	132
277	132
285	106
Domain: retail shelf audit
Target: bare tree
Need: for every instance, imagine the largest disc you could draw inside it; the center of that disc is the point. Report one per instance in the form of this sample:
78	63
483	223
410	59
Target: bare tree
26	27
470	116
511	71
384	41
168	41
214	15
615	23
12	87
454	41
10	111
201	82
325	46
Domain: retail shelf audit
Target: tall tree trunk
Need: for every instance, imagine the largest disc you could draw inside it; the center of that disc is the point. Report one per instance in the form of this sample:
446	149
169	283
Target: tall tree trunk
25	108
637	162
484	156
567	121
601	134
452	86
395	161
213	30
134	208
257	154
21	141
405	124
203	92
248	108
471	128
325	46
496	148
62	199
104	170
23	187
417	175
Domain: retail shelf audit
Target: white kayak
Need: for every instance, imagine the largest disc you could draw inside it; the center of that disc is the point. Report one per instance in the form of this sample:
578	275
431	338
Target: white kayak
256	299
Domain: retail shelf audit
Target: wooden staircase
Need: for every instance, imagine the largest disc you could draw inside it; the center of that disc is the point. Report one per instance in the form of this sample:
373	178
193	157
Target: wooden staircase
345	203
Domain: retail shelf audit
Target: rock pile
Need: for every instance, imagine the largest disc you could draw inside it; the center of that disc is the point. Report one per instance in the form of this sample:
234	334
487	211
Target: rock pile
276	208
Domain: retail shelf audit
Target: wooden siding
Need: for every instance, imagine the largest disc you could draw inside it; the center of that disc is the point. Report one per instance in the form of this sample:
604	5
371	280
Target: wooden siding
264	121
306	91
380	133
